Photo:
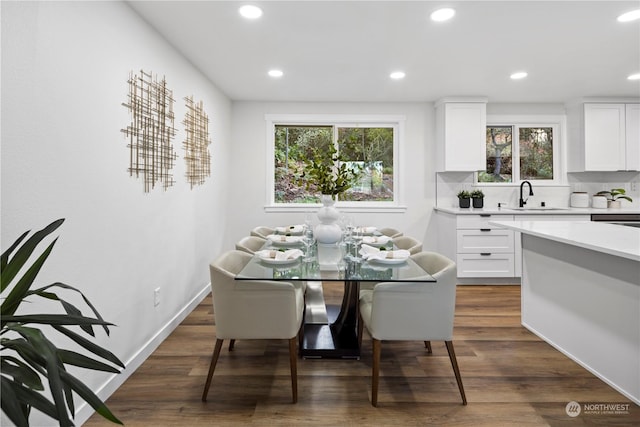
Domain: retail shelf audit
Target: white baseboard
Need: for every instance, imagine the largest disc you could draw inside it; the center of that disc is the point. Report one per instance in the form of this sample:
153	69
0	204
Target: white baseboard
85	411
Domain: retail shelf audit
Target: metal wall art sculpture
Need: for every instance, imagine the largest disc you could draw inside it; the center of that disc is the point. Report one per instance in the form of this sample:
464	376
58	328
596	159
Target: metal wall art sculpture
151	154
196	143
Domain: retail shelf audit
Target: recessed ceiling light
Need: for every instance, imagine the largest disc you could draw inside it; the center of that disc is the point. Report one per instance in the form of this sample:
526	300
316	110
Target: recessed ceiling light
442	14
634	76
250	12
276	73
397	75
629	16
519	75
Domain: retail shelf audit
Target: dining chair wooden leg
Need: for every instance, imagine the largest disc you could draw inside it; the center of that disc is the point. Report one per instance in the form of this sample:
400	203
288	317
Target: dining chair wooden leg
301	336
232	343
456	370
293	361
375	374
212	367
427	345
360	330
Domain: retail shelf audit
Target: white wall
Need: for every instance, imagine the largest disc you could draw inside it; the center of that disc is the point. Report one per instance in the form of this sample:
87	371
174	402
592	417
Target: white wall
65	67
417	176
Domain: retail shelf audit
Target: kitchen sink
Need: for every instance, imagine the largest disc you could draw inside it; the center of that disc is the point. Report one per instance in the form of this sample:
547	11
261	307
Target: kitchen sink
537	208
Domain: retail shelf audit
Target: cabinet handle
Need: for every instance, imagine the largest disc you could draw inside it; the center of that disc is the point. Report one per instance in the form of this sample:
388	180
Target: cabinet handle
485	229
485	215
485	253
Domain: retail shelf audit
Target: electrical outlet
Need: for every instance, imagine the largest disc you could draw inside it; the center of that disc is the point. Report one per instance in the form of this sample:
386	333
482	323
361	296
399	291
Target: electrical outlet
156	297
634	186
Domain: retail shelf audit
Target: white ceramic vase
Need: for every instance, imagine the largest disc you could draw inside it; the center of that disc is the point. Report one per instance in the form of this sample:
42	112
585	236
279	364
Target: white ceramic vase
599	202
328	231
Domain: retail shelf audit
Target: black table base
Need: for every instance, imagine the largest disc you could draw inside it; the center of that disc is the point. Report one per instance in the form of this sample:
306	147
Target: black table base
337	339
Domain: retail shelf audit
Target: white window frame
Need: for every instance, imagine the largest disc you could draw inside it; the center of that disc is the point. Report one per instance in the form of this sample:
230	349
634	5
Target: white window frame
394	121
557	123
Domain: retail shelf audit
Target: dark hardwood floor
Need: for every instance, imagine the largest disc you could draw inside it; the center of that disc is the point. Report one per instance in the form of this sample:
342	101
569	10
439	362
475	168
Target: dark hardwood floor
511	378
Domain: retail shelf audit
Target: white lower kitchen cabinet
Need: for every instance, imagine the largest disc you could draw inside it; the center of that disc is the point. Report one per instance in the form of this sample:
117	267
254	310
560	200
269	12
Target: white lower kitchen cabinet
485	241
479	248
485	251
485	264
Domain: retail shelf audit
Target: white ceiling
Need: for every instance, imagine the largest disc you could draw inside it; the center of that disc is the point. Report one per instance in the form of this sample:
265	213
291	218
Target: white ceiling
345	50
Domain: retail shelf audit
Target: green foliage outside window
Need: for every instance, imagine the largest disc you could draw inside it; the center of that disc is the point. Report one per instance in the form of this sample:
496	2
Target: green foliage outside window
370	150
536	153
499	155
534	146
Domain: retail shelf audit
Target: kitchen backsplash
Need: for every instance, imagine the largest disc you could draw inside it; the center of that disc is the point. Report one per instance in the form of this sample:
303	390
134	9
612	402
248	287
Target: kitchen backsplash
448	184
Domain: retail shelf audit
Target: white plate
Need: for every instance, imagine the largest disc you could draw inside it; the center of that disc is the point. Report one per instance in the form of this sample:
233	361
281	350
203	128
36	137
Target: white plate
365	231
289	242
388	260
274	261
376	244
297	231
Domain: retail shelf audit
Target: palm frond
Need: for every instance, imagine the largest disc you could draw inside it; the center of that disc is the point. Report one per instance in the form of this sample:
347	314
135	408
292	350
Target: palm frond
27	354
11	268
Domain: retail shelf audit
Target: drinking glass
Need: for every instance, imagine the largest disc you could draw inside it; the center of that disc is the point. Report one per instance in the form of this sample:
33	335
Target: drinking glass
308	219
308	241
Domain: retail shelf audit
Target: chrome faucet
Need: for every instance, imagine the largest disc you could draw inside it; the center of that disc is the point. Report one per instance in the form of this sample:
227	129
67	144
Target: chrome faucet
522	201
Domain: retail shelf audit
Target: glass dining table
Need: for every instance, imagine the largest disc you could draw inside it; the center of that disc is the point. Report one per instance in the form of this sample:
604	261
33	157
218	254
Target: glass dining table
331	331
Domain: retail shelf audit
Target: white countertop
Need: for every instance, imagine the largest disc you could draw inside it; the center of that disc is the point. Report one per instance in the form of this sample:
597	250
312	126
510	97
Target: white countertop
613	239
562	211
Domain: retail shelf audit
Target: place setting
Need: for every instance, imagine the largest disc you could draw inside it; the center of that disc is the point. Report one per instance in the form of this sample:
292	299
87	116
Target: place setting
366	230
279	256
376	241
290	230
285	240
382	255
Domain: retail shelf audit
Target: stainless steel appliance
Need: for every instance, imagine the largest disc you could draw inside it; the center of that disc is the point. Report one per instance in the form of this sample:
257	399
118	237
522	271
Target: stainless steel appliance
628	219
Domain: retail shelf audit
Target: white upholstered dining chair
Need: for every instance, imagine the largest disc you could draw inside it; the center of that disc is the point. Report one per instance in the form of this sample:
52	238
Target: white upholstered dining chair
407	311
262	231
390	232
409	243
258	309
250	244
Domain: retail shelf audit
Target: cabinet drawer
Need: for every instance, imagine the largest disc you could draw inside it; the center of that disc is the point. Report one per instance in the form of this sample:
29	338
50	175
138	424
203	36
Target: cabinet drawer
494	265
485	241
480	221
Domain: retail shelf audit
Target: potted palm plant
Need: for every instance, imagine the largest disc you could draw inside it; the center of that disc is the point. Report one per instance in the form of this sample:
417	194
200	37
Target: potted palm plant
478	198
26	353
464	199
613	196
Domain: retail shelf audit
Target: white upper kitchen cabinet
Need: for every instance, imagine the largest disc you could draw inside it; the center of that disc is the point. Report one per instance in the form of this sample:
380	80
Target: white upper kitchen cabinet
633	136
604	136
461	125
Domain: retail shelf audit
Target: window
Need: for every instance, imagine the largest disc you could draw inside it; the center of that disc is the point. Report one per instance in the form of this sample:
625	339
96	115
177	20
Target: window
518	152
368	144
292	145
371	150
